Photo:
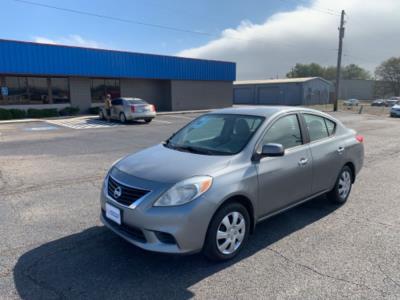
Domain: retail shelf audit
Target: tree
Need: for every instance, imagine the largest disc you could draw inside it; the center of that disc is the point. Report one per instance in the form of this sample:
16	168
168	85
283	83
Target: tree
306	70
353	71
389	71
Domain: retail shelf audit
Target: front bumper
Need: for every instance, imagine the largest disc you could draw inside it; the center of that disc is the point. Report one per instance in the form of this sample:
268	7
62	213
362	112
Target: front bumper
178	230
395	113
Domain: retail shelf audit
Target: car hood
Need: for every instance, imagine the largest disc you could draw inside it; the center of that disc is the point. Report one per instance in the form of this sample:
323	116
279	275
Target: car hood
161	164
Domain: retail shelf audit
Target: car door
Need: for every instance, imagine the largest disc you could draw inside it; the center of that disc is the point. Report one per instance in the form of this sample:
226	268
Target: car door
286	179
116	108
326	150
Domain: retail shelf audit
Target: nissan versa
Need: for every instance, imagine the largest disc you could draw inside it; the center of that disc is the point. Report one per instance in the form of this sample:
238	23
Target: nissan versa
209	184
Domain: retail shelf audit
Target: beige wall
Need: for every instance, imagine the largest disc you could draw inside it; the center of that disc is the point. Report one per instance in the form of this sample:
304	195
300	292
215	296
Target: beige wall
80	93
188	95
156	92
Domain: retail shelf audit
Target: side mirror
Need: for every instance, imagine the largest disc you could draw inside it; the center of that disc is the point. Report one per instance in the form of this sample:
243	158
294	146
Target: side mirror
272	150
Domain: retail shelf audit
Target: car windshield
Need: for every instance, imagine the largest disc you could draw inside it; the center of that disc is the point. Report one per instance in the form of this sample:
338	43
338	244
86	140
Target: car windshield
216	134
136	101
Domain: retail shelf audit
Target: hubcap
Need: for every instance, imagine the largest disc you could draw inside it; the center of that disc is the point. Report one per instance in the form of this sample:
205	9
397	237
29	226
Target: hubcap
344	184
231	232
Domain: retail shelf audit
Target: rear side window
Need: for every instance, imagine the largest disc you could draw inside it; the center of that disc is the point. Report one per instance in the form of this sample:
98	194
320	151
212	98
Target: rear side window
316	127
331	126
285	131
116	102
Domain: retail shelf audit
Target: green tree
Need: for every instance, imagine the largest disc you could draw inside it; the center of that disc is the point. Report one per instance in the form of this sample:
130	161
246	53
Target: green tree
306	70
353	71
330	73
389	71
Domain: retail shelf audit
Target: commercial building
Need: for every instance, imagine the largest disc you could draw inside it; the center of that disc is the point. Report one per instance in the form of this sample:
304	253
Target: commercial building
48	76
290	91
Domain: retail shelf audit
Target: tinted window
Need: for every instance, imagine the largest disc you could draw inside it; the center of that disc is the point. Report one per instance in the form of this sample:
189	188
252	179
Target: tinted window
38	90
316	127
116	102
330	125
215	134
101	87
285	131
60	90
136	101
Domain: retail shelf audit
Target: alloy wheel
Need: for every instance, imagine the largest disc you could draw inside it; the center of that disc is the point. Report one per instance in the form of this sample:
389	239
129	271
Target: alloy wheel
231	232
344	184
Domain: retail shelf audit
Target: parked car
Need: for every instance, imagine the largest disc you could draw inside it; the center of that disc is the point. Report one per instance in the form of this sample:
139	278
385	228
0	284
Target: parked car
395	111
129	109
378	102
351	102
392	101
208	185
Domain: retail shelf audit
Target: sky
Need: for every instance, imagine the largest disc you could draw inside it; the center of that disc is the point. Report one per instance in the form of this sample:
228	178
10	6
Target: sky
264	37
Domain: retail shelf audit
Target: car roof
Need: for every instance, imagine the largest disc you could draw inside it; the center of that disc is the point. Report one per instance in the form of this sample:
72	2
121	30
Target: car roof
265	111
131	98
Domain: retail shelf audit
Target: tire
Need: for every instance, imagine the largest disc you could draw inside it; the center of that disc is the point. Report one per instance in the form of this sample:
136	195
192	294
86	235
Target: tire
342	189
122	118
148	120
236	236
101	115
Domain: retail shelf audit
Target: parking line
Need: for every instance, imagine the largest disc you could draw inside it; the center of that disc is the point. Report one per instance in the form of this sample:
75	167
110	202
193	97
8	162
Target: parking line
161	121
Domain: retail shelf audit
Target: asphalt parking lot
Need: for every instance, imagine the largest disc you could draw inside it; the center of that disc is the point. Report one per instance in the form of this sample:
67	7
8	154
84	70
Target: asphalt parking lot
53	245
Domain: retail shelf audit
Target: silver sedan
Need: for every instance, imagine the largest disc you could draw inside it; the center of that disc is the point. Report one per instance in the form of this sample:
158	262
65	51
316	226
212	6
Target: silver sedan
129	109
207	186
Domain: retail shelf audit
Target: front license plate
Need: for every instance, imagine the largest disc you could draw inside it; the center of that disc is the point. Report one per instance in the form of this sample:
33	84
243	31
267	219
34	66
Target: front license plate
113	213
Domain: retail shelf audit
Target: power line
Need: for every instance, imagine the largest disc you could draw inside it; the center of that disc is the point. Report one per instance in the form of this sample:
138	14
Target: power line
86	13
159	26
319	9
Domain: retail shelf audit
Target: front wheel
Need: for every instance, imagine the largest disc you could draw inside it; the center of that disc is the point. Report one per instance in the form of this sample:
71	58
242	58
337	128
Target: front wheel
341	191
148	120
227	233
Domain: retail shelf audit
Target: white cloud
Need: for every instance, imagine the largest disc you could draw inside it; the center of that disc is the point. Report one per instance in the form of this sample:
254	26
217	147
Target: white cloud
307	35
70	40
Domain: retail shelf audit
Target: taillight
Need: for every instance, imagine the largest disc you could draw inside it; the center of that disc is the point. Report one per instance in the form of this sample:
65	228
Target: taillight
132	108
152	107
360	138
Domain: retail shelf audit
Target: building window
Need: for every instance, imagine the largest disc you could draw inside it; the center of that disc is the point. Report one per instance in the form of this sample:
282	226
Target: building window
38	90
34	90
60	90
101	87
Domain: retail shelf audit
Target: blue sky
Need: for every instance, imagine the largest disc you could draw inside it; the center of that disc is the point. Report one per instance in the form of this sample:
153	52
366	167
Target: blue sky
26	22
266	38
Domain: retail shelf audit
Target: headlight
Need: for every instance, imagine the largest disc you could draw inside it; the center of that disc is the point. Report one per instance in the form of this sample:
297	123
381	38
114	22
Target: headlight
185	191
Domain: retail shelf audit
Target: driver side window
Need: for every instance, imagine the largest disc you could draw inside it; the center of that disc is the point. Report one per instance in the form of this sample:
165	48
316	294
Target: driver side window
285	131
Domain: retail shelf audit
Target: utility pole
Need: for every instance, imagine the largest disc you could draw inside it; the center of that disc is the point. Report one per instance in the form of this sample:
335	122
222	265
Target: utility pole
339	61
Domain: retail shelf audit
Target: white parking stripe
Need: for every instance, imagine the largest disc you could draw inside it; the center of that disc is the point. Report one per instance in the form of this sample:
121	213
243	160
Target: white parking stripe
162	121
83	123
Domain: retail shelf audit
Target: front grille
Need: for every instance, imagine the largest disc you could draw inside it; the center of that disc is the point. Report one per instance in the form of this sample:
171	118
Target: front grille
133	232
128	194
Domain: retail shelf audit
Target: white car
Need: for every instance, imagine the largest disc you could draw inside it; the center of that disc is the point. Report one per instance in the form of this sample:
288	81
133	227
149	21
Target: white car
351	102
129	109
395	111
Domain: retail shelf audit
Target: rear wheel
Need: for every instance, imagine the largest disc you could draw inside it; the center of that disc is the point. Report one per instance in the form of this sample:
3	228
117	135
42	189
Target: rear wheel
227	233
342	188
148	120
122	118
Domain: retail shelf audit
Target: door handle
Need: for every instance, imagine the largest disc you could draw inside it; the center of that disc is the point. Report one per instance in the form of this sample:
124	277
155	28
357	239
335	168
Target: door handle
303	161
340	150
